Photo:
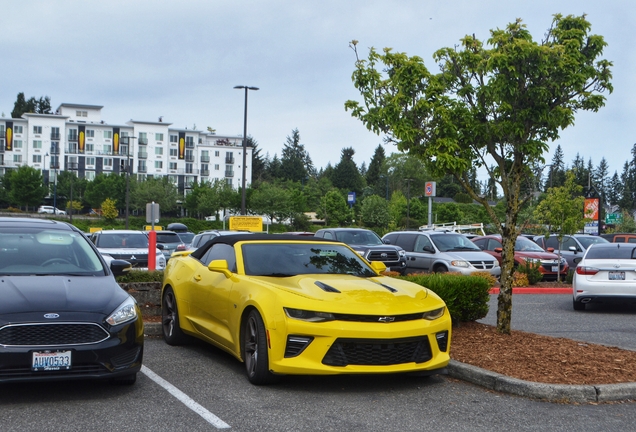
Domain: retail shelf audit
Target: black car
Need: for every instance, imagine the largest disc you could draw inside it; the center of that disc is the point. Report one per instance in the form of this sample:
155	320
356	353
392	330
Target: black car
62	314
369	245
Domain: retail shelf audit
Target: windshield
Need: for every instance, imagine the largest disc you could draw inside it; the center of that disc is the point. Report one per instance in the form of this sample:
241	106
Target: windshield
453	242
37	251
290	259
527	245
186	237
367	238
587	241
122	241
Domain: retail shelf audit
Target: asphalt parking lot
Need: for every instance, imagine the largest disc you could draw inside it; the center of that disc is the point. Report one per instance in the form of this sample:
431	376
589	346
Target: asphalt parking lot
207	389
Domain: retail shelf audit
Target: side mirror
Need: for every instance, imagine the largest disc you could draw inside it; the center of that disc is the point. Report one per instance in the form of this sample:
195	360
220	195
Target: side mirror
499	250
550	249
120	267
161	246
573	249
378	266
428	249
221	267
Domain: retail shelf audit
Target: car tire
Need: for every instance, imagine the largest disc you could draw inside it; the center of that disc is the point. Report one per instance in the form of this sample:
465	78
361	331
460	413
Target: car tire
254	350
172	333
440	269
578	305
125	380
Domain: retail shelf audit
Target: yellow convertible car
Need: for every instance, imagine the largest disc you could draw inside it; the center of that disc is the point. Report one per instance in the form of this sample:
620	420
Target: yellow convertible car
291	305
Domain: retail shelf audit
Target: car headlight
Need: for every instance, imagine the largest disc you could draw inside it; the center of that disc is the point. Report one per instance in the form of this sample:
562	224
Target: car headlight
434	314
460	263
402	253
361	253
126	311
310	316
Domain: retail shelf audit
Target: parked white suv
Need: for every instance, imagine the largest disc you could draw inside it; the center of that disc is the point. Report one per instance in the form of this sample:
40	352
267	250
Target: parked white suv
50	210
442	251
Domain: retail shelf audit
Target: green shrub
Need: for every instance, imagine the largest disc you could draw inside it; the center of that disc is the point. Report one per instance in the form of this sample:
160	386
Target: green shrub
141	276
465	296
531	270
569	277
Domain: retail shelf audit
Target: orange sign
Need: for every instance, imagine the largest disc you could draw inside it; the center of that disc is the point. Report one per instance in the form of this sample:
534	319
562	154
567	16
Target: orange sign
591	208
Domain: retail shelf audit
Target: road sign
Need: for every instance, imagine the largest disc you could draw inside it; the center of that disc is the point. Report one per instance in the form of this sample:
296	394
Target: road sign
246	223
613	218
429	189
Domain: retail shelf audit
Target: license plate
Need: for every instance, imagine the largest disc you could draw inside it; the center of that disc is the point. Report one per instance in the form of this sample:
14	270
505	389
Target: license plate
51	360
616	275
555	269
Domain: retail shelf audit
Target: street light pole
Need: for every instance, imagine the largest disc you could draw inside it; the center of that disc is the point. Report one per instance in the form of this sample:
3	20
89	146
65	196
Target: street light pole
243	210
128	138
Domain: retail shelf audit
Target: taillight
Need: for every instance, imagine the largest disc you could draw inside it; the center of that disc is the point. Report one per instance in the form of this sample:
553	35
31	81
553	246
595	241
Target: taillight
582	270
181	247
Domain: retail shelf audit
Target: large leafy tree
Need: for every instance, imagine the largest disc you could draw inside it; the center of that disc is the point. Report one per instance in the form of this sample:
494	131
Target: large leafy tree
496	105
158	190
106	186
26	187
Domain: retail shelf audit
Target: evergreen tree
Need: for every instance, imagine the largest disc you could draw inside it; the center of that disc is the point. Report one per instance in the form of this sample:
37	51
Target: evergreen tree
296	165
557	171
346	176
600	177
615	189
376	169
258	163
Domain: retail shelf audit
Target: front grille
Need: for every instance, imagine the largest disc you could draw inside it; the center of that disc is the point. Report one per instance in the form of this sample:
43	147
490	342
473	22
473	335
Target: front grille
383	255
482	265
378	352
379	318
548	267
52	334
139	260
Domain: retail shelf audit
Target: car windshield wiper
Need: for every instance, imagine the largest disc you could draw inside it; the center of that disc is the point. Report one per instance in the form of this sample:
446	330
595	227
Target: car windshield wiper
464	248
276	274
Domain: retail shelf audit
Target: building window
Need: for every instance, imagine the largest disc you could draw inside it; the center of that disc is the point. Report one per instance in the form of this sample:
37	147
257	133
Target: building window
17	158
37	158
143	138
37	130
216	167
173	165
158	137
81	113
158	151
90	133
17	144
17	129
217	153
108	149
37	144
159	164
189	142
89	175
174	152
108	162
108	134
90	147
174	139
90	161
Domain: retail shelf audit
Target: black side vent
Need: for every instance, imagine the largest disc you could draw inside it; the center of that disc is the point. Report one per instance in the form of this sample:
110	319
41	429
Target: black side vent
389	288
326	287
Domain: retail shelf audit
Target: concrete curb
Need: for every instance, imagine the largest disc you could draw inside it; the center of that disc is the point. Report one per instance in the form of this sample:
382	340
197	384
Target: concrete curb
543	391
152	329
529	290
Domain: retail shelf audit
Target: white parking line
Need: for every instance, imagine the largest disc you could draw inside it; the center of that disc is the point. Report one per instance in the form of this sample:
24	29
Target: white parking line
185	399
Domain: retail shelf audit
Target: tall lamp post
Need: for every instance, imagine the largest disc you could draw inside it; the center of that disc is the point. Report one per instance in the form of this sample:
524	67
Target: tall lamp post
243	211
128	138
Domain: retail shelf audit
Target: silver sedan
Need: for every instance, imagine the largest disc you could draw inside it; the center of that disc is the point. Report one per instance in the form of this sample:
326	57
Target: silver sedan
607	272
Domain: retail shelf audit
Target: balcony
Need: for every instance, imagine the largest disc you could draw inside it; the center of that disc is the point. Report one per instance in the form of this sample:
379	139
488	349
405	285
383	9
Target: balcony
229	173
189	158
229	159
142	169
205	159
191	171
72	137
205	173
71	166
142	141
72	150
55	136
190	144
55	150
142	155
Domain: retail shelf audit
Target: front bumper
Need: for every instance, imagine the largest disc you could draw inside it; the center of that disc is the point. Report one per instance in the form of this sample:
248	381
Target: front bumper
339	347
120	354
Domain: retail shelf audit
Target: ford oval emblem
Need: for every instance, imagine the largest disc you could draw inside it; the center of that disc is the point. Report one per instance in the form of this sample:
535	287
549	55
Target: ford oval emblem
51	315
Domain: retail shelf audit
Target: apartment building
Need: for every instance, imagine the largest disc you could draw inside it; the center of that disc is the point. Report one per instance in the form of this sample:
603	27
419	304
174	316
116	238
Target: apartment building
76	138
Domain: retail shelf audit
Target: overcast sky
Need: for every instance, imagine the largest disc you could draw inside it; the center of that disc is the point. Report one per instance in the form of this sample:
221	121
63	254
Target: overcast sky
181	59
